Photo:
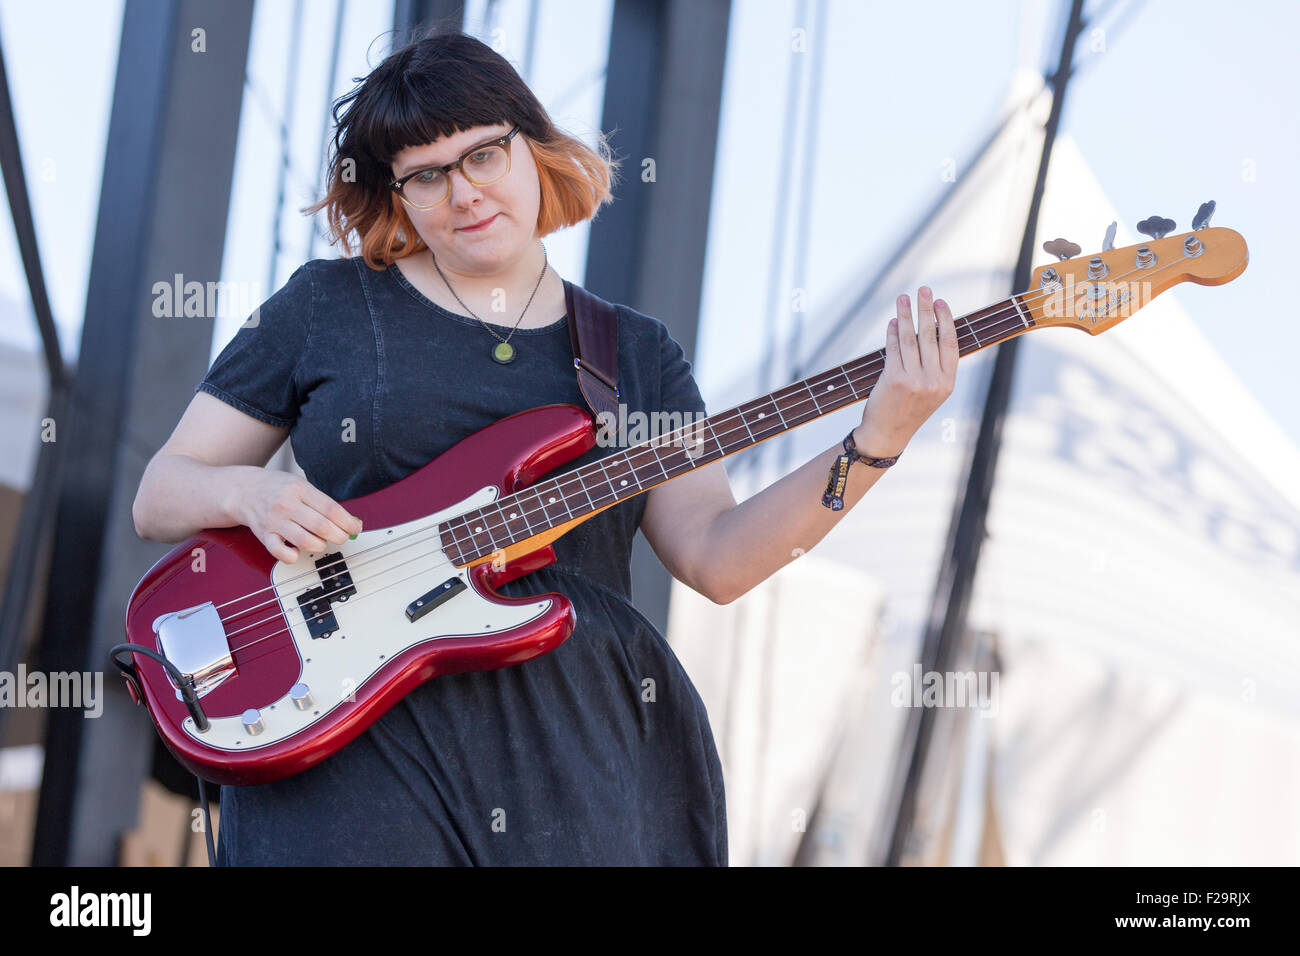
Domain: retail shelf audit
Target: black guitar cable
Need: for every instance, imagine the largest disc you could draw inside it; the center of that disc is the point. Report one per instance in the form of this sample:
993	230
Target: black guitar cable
191	698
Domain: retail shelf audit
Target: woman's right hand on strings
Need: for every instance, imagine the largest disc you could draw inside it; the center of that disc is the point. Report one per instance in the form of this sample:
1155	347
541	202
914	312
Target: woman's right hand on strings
287	513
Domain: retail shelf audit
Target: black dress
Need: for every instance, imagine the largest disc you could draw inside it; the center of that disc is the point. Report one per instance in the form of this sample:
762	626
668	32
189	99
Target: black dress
599	752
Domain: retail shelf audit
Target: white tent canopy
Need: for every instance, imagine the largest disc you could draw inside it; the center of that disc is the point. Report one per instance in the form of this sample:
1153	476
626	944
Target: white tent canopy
1140	585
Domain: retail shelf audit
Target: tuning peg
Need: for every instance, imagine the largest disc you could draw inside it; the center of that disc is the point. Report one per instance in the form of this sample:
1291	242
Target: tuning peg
1108	243
1203	215
1062	248
1156	227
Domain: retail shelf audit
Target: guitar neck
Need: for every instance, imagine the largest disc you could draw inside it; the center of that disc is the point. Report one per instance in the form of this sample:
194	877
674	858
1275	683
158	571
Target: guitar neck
608	481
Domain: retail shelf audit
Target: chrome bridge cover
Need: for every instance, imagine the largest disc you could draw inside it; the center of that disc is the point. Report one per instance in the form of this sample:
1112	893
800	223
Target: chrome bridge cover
195	641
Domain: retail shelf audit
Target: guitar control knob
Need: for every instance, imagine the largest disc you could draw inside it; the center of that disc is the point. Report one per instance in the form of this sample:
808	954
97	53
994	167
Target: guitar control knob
300	694
1145	257
252	721
1096	268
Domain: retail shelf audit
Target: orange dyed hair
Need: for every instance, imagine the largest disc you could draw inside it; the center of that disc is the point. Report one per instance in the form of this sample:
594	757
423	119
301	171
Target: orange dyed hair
434	87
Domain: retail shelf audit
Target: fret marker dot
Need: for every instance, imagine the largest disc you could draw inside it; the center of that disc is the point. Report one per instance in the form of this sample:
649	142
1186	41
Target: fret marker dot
623	482
830	388
552	499
761	414
514	514
478	529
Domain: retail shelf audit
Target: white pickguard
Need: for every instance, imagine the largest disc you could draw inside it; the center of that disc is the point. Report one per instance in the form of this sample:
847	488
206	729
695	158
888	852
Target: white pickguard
407	562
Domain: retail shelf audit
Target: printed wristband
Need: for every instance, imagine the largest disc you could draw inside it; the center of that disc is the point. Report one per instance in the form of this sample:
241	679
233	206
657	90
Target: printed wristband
838	477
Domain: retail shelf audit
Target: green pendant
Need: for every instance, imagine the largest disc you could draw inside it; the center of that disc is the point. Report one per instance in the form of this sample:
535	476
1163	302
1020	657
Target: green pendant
504	353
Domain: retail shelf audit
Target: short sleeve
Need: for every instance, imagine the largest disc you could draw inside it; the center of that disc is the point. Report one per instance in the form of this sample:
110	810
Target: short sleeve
678	391
256	371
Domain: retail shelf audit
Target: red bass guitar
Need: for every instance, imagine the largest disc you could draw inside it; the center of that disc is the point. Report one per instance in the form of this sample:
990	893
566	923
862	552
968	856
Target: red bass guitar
253	669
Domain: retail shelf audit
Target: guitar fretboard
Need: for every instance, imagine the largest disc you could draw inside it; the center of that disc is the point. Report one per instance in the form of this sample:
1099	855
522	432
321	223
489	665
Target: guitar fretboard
615	478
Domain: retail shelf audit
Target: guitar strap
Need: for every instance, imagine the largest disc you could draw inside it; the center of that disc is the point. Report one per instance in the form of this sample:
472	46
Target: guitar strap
593	333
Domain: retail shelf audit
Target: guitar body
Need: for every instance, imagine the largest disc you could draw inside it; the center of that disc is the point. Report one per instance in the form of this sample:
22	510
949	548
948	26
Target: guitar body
315	692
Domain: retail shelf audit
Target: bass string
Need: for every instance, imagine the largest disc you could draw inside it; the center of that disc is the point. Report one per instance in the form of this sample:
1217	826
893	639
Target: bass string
860	372
1005	320
274	601
352	564
370	593
871	365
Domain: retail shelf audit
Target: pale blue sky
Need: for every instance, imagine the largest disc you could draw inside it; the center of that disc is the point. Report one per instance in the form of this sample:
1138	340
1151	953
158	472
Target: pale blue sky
1190	100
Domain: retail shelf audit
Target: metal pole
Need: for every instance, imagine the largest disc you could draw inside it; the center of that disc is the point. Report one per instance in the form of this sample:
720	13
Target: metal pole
163	208
663	93
25	568
947	622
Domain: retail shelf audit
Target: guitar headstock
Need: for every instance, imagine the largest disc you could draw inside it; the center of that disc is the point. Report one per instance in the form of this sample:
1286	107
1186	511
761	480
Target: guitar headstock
1098	292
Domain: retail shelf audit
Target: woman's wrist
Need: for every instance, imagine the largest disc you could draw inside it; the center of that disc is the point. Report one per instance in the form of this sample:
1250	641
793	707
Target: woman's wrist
877	446
234	482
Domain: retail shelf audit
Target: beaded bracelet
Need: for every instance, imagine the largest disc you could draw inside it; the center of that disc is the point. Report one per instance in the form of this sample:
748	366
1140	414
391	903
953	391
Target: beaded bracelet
839	473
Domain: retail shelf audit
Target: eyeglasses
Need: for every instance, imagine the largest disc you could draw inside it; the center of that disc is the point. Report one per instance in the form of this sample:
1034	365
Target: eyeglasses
483	165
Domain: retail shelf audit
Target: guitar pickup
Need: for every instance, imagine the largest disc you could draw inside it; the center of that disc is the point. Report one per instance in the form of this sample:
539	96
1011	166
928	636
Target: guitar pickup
335	577
440	595
317	613
336	585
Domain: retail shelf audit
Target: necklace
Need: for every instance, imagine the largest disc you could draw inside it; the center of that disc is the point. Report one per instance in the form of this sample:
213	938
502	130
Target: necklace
503	353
